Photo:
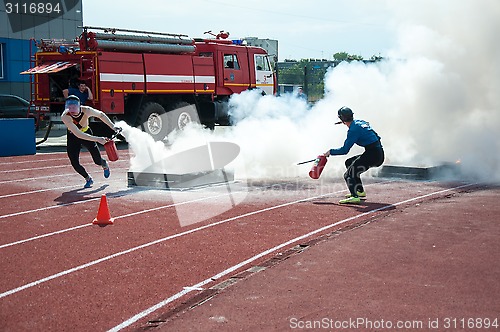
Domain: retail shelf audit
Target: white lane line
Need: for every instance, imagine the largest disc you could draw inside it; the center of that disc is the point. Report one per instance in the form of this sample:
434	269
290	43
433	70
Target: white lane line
193	288
56	175
38	178
36	168
170	237
45	167
47	208
119	217
44	235
123	216
106	258
50	189
32	161
111	196
38	191
201	284
48	160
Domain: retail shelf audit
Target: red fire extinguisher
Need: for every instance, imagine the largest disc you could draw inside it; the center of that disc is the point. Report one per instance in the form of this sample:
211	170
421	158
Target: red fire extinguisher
319	164
111	151
110	148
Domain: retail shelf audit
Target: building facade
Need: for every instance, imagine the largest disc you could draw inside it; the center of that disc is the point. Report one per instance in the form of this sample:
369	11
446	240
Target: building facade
23	23
270	45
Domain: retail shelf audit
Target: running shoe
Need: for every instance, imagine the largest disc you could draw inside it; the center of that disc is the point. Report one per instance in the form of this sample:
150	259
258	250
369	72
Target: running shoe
361	194
105	168
89	183
350	200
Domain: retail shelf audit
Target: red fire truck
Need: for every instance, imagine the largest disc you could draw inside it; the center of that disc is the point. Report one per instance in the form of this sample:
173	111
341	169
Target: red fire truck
156	81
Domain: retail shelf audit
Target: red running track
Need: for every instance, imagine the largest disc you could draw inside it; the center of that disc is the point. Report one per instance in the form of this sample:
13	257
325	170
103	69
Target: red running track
62	273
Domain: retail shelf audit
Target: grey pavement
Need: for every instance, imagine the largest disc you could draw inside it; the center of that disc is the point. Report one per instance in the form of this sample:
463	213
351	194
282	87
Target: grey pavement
56	140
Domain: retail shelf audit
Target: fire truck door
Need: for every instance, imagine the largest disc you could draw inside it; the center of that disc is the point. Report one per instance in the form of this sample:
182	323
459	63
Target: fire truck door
234	73
263	74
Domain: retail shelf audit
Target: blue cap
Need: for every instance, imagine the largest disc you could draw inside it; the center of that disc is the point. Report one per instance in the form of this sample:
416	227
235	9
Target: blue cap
72	101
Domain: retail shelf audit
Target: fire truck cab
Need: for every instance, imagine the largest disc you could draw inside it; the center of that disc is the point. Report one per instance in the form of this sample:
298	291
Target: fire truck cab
158	82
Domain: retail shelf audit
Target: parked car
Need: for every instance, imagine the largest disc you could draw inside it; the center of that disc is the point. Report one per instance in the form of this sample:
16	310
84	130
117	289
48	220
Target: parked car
12	106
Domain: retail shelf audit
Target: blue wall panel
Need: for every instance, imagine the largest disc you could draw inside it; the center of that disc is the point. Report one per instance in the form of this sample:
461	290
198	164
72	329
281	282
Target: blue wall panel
17	137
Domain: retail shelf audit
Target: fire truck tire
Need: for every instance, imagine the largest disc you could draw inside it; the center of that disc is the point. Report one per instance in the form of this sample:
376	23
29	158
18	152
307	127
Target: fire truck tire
183	114
153	120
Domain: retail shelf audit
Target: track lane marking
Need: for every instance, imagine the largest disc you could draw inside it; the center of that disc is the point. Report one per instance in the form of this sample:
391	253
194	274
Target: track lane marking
59	205
38	168
52	188
173	236
92	199
38	191
47	160
145	245
53	176
48	208
44	167
201	284
37	178
123	216
31	161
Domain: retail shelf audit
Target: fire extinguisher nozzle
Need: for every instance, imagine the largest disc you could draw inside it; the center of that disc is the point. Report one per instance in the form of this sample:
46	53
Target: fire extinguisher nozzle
306	162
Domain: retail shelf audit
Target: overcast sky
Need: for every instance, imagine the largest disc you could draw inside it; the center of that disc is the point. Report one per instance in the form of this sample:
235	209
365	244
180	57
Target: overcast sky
304	29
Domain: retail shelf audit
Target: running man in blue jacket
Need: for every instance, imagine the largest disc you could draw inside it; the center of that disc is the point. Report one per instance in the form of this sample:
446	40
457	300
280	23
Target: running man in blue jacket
362	134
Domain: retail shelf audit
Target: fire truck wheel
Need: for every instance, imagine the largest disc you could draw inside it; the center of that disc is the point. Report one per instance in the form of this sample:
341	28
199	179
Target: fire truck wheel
182	115
153	120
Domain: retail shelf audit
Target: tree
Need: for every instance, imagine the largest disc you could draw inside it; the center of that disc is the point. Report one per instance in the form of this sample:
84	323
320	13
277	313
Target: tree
340	56
344	56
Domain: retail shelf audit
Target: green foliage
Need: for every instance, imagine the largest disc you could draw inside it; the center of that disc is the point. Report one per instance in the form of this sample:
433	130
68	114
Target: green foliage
344	56
340	56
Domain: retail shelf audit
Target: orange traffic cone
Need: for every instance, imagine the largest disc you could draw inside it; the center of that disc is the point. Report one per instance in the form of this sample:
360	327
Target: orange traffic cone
103	215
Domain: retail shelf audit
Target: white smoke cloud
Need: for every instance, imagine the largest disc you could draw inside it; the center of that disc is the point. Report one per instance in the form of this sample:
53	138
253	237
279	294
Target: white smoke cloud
434	99
275	133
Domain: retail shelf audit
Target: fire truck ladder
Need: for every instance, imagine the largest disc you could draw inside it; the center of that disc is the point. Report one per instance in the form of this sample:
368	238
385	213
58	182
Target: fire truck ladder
136	41
34	92
33	84
47	45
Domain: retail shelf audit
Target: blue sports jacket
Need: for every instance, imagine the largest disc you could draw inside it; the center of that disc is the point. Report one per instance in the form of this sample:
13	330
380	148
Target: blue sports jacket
359	133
